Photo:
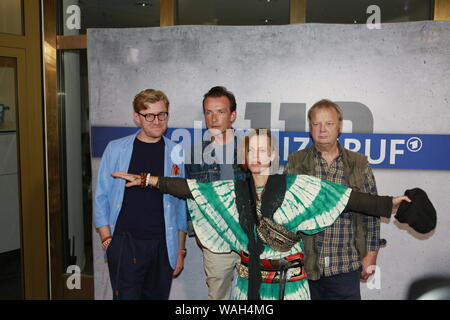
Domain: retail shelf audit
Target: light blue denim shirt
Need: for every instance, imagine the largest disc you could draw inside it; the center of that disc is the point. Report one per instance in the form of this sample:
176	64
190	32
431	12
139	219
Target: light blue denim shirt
110	191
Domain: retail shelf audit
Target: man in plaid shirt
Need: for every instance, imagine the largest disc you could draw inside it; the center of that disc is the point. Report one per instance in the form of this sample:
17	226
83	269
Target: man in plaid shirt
337	258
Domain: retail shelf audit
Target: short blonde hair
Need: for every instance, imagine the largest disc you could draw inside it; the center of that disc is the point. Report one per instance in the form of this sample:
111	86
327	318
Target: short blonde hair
149	96
326	104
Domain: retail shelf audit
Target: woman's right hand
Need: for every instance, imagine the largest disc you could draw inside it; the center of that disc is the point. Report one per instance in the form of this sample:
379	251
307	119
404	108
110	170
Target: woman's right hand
133	179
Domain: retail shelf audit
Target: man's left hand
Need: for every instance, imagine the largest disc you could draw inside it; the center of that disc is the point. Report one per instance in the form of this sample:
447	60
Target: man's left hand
179	267
369	260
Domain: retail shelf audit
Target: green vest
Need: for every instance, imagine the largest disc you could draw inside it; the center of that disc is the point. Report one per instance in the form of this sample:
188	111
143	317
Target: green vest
302	162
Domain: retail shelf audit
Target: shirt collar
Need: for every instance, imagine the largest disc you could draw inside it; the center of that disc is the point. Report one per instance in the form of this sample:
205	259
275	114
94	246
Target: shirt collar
318	153
208	142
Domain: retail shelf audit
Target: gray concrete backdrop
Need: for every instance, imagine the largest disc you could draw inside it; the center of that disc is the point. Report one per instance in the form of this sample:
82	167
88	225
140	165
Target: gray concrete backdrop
401	73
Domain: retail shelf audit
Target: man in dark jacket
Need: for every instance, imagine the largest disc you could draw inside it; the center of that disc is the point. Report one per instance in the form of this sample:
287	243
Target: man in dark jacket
218	162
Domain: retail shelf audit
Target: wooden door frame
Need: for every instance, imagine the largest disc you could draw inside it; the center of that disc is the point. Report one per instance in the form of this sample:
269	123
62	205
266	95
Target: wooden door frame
31	160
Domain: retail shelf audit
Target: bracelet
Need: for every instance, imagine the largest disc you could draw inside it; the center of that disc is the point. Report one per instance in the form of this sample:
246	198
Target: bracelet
143	184
106	238
147	181
182	252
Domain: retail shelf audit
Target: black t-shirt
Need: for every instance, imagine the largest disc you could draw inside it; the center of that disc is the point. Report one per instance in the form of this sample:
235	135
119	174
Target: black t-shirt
142	213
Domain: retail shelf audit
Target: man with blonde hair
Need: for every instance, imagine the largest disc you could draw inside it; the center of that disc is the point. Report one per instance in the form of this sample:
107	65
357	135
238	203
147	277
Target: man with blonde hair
337	258
142	231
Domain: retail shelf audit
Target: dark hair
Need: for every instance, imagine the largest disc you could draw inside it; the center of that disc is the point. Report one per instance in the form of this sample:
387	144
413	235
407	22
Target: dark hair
217	92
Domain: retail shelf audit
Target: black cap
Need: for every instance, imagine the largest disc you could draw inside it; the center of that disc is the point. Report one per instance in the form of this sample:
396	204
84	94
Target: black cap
418	214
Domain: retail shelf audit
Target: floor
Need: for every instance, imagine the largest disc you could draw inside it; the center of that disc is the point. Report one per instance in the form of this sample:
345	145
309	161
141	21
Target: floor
10	275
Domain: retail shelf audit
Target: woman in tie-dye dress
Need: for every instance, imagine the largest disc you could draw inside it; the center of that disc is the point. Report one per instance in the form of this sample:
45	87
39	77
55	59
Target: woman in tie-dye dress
233	215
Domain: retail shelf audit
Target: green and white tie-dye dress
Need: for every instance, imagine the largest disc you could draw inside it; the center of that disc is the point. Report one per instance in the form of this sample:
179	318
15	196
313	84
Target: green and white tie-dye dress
310	205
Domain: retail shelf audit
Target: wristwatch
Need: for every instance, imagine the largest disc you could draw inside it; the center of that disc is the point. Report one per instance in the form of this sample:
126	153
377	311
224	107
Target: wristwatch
182	252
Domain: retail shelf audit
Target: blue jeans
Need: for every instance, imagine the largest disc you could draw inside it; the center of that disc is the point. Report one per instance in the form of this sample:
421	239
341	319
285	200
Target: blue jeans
343	286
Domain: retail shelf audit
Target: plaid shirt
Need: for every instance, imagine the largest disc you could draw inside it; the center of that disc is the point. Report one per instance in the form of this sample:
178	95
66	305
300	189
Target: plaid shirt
336	244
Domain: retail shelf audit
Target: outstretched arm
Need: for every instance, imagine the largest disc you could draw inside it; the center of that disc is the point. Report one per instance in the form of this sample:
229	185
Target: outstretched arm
218	229
380	206
177	187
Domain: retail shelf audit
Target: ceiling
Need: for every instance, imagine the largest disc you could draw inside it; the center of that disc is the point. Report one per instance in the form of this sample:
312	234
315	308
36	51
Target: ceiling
354	11
145	13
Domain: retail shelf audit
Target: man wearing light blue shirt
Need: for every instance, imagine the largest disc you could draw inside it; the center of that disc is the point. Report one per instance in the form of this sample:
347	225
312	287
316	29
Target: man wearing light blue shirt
142	231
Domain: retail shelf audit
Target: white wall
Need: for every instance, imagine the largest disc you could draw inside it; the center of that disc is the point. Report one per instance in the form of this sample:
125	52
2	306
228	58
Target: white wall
400	72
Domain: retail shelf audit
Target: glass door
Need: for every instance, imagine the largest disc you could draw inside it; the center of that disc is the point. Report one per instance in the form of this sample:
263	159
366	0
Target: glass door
11	282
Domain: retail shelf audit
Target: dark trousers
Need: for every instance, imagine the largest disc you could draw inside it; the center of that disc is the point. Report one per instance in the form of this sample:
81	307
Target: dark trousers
339	287
139	269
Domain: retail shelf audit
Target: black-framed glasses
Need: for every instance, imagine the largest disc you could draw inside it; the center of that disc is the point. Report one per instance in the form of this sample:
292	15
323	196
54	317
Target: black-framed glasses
150	117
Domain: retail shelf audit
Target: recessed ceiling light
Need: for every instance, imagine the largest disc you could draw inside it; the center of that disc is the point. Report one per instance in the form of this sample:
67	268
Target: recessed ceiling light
143	4
267	21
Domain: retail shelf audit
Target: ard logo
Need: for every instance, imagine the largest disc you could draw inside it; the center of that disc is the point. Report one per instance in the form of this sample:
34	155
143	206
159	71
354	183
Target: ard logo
414	144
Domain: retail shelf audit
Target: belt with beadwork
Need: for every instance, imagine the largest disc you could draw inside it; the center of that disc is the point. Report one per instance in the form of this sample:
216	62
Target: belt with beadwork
271	269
